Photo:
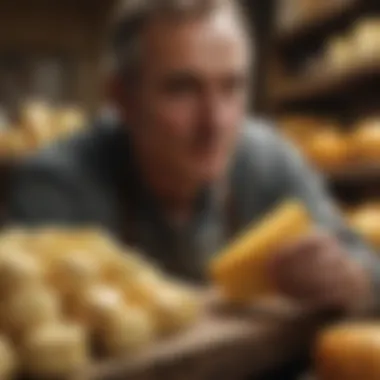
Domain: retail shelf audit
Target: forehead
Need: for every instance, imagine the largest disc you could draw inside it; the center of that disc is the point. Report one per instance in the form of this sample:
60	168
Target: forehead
209	44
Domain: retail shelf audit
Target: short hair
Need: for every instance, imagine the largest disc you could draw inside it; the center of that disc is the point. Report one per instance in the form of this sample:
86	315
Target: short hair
131	16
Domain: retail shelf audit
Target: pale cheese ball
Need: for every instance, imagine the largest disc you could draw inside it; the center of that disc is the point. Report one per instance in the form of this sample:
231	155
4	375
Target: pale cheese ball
14	237
54	242
173	307
95	305
126	331
55	350
18	270
73	272
29	308
8	359
131	267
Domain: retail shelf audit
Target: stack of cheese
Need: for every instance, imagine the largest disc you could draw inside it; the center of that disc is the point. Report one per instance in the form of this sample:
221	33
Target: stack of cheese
38	125
365	220
321	141
66	296
361	45
365	141
330	147
292	13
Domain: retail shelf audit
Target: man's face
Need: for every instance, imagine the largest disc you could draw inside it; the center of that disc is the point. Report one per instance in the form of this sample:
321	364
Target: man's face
191	99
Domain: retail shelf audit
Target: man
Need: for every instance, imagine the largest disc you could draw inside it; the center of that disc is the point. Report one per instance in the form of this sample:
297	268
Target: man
186	170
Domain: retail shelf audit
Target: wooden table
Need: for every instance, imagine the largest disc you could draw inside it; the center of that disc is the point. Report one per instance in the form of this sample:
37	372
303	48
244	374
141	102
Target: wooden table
223	345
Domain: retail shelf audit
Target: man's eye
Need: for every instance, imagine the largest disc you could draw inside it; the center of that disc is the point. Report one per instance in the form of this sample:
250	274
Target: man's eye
180	87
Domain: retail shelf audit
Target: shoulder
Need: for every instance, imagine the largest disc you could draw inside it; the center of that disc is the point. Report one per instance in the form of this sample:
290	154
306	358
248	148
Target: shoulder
259	150
260	140
262	159
63	182
76	156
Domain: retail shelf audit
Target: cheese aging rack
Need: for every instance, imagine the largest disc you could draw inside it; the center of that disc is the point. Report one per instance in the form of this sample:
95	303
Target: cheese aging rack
325	64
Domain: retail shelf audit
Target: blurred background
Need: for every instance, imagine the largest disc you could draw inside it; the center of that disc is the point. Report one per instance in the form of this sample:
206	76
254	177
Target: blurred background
317	77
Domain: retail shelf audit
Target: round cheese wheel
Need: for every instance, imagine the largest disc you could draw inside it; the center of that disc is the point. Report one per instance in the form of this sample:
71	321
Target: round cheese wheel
126	331
366	39
29	308
18	270
366	221
328	149
8	360
348	352
366	140
340	54
94	305
55	350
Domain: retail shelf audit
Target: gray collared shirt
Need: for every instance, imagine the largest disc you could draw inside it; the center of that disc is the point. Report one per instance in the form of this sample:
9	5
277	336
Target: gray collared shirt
78	182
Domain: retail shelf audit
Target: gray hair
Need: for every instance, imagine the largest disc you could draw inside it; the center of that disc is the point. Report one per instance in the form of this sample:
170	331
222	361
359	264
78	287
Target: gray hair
131	16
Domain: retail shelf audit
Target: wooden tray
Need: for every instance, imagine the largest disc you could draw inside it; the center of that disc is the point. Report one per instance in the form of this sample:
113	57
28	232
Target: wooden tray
225	344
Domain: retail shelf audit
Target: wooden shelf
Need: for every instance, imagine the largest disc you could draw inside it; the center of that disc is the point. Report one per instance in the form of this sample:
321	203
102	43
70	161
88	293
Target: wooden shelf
223	345
331	13
323	86
360	174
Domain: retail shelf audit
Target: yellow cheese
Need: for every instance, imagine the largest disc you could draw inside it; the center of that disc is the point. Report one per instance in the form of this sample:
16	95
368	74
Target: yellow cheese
241	269
125	331
18	270
29	308
349	351
8	360
96	304
55	350
173	307
74	272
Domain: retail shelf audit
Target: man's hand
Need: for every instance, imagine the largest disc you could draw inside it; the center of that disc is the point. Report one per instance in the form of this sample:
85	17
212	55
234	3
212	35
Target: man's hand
318	272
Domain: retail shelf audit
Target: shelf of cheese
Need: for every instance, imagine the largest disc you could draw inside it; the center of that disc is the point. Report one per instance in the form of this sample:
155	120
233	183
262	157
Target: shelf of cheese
302	18
68	295
347	60
38	125
350	155
365	220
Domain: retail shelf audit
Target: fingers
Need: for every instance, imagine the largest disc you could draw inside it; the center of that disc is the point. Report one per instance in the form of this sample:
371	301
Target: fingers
314	270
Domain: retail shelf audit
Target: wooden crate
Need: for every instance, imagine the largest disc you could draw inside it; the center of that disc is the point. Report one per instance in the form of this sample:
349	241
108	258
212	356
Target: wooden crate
225	344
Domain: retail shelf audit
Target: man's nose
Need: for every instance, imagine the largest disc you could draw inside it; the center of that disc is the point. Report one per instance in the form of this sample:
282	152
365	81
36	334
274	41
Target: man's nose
214	111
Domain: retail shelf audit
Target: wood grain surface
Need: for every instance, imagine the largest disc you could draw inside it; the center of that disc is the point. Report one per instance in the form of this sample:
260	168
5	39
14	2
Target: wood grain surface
224	344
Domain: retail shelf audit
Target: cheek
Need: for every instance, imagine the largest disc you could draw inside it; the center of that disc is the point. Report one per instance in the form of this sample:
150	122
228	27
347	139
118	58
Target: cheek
175	118
232	118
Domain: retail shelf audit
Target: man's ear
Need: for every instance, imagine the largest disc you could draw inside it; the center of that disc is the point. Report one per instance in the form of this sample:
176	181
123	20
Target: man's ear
120	96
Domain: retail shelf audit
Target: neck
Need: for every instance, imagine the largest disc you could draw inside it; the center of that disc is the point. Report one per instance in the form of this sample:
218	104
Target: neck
175	193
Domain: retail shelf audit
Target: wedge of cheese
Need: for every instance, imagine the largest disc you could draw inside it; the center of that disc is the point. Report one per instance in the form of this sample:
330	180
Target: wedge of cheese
241	270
